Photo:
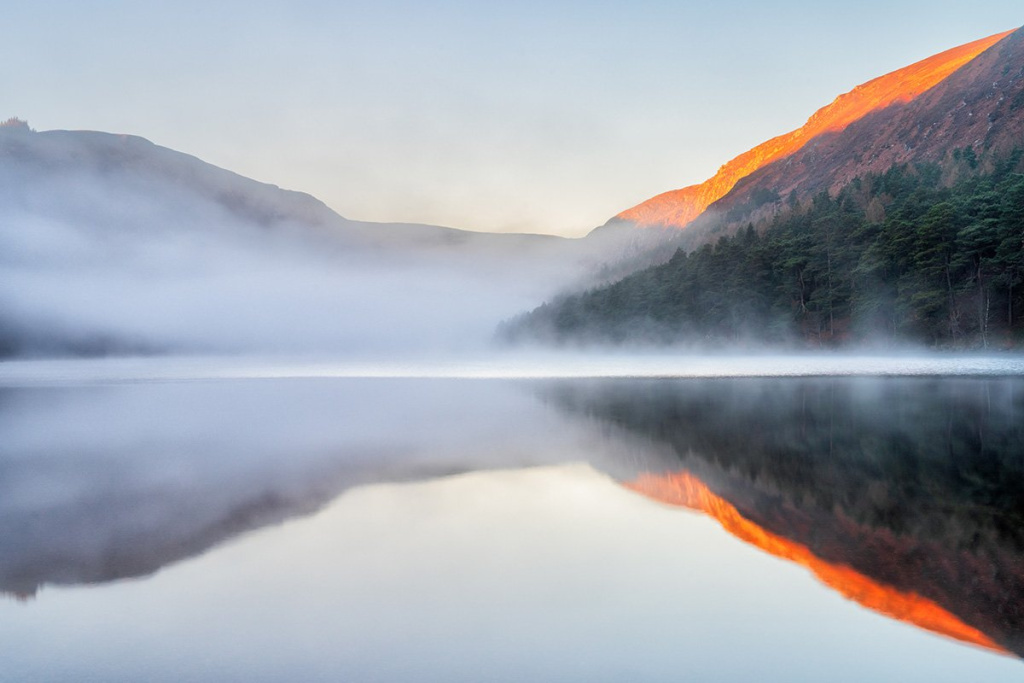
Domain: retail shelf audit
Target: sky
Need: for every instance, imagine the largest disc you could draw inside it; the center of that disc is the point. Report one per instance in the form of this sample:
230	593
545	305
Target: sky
546	117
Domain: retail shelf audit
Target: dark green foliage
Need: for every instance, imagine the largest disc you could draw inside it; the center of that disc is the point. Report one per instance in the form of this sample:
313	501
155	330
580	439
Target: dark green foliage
1018	101
894	257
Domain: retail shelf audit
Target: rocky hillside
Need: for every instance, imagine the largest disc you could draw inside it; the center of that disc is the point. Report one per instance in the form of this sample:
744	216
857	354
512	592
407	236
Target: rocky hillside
975	114
677	208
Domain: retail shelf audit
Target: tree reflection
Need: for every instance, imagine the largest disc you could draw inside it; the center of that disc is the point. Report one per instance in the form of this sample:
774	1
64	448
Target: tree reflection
911	487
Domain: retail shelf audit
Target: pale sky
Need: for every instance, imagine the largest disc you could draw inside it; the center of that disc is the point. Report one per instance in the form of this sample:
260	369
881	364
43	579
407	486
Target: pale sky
527	116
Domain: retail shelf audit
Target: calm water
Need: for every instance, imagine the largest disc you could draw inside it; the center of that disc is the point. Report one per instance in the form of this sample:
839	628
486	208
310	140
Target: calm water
661	519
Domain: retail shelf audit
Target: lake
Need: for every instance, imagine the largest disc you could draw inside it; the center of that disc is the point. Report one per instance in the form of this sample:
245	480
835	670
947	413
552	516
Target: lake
651	518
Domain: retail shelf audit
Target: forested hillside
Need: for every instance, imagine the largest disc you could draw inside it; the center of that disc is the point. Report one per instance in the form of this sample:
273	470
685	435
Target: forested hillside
898	257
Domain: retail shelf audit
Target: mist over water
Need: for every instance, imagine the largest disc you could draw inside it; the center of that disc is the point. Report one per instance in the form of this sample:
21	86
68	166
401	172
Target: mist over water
491	364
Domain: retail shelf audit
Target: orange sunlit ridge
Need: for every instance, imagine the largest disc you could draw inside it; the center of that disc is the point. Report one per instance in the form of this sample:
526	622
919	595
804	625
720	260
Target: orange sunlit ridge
678	208
682	488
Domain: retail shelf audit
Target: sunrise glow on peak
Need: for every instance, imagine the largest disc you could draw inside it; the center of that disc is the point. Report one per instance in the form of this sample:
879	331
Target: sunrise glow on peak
677	208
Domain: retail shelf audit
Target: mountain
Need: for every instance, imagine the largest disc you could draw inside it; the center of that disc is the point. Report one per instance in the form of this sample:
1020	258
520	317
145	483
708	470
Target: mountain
677	208
902	227
977	112
45	174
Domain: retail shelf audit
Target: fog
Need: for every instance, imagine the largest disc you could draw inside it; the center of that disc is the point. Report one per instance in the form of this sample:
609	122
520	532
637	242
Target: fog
119	246
197	292
207	290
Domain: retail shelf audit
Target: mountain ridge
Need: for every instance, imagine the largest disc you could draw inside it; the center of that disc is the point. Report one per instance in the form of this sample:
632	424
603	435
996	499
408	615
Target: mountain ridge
61	152
975	107
677	208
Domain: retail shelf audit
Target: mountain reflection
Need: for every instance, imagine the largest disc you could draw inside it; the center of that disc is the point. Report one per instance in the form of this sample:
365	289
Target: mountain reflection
903	495
686	490
105	483
118	481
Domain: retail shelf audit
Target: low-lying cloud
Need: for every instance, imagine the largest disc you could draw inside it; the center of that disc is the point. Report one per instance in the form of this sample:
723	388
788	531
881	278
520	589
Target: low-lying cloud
94	260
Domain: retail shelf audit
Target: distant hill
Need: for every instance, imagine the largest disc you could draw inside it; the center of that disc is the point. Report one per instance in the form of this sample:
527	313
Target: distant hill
43	172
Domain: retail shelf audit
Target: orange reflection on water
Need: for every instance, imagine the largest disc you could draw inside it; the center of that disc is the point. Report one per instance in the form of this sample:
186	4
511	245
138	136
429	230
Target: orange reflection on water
684	489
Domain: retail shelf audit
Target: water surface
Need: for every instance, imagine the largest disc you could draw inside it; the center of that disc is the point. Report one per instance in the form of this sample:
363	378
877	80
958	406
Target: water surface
292	523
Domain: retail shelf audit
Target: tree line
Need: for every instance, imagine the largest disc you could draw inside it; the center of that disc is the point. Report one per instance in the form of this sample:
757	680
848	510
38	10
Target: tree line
891	258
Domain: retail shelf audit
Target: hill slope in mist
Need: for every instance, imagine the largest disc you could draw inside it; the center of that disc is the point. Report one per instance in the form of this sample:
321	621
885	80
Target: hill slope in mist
109	243
895	258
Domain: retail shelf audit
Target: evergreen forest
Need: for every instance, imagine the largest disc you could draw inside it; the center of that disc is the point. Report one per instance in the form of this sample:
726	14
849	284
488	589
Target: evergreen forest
900	257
